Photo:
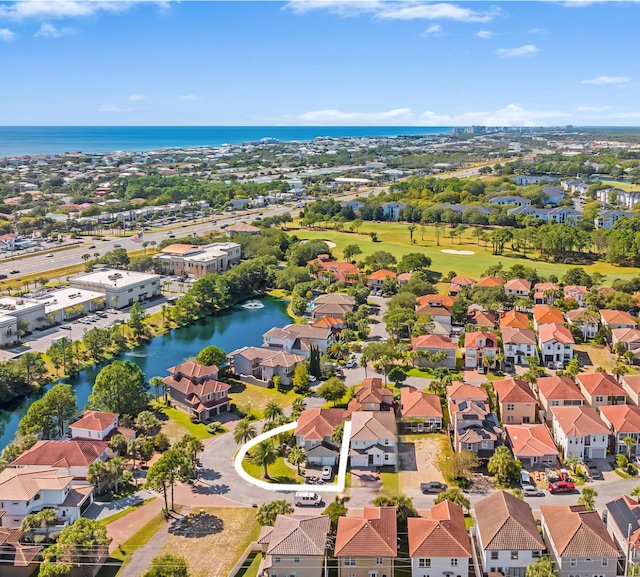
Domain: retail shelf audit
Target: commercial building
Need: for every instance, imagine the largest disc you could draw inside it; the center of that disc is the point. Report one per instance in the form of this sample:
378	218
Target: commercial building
198	261
121	288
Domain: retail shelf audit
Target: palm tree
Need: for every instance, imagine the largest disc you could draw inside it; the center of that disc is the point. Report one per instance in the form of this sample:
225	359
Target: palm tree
298	406
245	431
573	462
157	383
86	257
499	358
619	370
337	434
272	411
264	454
437	226
635	493
630	442
297	457
412	228
588	498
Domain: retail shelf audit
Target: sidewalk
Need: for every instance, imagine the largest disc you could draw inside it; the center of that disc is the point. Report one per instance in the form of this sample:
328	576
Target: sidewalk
130	524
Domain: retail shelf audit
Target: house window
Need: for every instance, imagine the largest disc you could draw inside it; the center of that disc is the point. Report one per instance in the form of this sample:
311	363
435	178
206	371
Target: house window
605	562
599	399
514	555
469	447
535	554
424	563
277	560
510	419
454	562
573	562
485	444
296	559
494	555
378	560
387	456
349	561
511	407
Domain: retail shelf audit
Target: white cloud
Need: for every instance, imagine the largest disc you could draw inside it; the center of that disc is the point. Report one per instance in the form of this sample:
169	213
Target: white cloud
607	80
485	34
6	35
137	97
112	108
57	9
510	115
526	50
50	31
538	31
187	97
433	30
394	10
591	109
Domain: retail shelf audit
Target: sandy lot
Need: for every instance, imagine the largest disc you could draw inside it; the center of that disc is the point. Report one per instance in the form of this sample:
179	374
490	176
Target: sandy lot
418	455
462	252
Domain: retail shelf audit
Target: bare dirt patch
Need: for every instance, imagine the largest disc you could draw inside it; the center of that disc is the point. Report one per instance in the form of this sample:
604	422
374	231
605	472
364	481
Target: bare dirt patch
460	252
418	456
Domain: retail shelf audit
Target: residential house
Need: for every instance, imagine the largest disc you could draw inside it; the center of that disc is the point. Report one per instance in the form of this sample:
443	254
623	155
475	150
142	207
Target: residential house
242	228
432	344
579	431
439	544
544	293
99	426
545	314
298	339
629	337
518	287
475	427
367	546
490	282
480	318
527	179
194	389
333	305
29	490
578	541
439	313
631	386
556	343
507	535
262	365
333	270
459	391
577	293
586	321
516	401
518	344
354	205
560	214
391	210
479	345
371	396
442	300
71	457
532	445
510	199
375	279
618	319
623	422
514	319
460	282
553	195
606	219
601	389
313	433
623	523
574	185
558	392
373	439
420	411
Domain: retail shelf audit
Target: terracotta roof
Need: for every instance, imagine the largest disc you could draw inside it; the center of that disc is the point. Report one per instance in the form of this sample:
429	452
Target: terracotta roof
506	523
443	534
626	335
335	299
579	421
382	274
518	336
373	535
187	387
470	339
576	532
298	535
490	281
23	484
373	425
513	391
481	319
462	281
463	391
95	421
328	321
243	227
632	381
546	286
281	359
618	317
193	370
559	389
530	441
600	384
317	424
432	342
545	314
435	310
518	284
179	248
623	418
515	320
555	332
372	391
582	315
444	300
416	403
575	289
62	454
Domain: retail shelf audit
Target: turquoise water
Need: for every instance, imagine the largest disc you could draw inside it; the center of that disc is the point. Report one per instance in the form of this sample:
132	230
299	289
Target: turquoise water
18	140
229	330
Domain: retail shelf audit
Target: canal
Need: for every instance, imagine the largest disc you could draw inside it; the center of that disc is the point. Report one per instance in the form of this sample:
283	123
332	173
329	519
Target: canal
229	330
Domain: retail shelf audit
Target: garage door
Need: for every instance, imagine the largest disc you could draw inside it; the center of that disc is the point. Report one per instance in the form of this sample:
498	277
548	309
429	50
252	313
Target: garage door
598	453
321	461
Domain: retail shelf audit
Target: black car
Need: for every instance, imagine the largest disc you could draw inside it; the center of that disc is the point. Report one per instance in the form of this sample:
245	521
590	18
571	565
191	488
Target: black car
3	276
92	246
433	487
14	272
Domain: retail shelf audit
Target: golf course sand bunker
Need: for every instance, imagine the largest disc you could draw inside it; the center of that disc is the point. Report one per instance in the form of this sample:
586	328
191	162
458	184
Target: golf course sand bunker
330	243
464	252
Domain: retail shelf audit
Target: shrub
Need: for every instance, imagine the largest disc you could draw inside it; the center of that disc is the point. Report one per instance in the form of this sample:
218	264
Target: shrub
621	460
214	427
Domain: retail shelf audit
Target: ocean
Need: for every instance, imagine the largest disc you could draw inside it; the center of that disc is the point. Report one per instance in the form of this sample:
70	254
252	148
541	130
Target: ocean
31	140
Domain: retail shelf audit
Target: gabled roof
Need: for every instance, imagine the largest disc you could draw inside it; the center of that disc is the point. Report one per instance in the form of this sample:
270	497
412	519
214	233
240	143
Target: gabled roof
518	336
188	387
555	332
575	289
193	370
417	403
576	532
375	534
304	535
546	286
442	534
243	227
506	523
518	284
335	299
632	381
514	319
481	318
95	421
373	425
625	511
62	454
444	300
513	391
530	441
623	418
328	321
626	335
432	342
600	384
470	339
559	389
545	314
618	317
382	274
579	421
490	281
372	391
317	424
462	281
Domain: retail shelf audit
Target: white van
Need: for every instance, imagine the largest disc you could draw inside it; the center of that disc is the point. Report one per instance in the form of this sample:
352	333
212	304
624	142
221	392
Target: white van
307	499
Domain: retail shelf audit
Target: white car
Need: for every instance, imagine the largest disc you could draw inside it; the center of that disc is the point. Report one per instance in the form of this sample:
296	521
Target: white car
327	473
50	255
532	491
312	379
351	364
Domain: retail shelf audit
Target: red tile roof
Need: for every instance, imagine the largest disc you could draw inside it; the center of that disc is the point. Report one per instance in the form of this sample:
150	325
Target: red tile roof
600	384
317	424
193	370
579	421
546	314
559	389
528	441
623	418
95	421
432	342
416	403
514	319
62	454
618	317
444	300
443	534
490	281
518	284
382	274
513	391
373	535
555	332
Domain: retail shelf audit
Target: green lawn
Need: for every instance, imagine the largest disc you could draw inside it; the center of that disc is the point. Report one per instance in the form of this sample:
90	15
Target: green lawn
252	398
468	522
390	484
425	373
179	423
131	545
279	472
107	520
394	238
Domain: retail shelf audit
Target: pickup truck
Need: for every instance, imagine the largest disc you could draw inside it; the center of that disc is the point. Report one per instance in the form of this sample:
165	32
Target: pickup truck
432	487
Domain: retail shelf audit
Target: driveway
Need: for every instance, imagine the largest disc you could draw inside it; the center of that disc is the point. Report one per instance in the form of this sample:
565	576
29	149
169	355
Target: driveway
418	455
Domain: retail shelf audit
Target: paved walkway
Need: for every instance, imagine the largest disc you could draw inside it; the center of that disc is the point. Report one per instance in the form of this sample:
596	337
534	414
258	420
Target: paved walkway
102	510
127	526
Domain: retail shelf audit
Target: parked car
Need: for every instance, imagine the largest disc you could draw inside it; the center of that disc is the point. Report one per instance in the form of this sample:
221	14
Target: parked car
327	473
351	364
117	245
340	374
312	379
532	491
307	499
432	487
561	487
3	276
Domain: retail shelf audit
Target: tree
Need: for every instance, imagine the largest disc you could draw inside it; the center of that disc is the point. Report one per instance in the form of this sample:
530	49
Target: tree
300	376
118	444
297	407
542	567
158	384
412	228
335	510
332	389
158	479
630	442
51	413
351	251
588	498
191	446
211	355
503	465
263	455
454	495
337	433
572	462
168	565
137	315
267	512
174	465
147	424
272	411
635	492
402	503
397	375
98	474
296	456
245	431
120	387
619	370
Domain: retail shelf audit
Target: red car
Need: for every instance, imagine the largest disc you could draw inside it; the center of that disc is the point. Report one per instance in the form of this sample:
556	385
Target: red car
561	487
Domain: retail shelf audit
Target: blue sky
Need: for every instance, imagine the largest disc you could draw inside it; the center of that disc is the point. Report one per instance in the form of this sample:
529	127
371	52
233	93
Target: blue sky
319	62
